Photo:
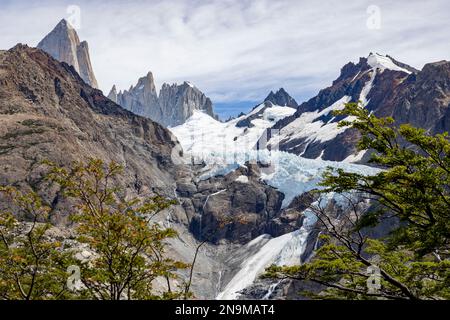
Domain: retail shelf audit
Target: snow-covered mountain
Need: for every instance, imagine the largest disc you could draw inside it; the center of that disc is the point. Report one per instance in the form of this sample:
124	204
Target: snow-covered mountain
222	169
386	87
202	133
174	104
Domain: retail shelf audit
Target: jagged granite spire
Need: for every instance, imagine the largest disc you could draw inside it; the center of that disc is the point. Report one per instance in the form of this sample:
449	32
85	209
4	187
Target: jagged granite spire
113	94
281	98
173	106
63	44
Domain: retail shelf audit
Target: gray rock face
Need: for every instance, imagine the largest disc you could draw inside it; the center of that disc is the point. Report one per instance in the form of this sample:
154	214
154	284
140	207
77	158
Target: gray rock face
63	44
178	102
174	105
239	207
113	94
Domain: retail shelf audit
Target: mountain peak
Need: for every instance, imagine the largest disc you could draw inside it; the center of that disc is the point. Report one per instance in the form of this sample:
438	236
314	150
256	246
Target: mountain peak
63	44
281	98
113	94
64	24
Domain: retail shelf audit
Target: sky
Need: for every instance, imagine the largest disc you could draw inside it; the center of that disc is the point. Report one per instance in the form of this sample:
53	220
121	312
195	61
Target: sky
236	51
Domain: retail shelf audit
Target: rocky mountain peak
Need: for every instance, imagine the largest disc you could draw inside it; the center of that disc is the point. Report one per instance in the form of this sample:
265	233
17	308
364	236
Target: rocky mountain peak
437	71
352	70
113	94
386	87
64	26
281	98
174	105
63	44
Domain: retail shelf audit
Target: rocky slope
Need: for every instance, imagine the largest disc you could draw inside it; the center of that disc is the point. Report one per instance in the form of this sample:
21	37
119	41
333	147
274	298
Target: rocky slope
172	107
386	87
48	112
251	208
63	44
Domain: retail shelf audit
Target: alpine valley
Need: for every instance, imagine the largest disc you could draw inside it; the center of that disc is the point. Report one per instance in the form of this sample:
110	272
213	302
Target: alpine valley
256	170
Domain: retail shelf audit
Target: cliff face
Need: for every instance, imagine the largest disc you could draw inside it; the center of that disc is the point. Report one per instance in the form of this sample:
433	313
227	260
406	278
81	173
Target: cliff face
172	107
63	44
141	99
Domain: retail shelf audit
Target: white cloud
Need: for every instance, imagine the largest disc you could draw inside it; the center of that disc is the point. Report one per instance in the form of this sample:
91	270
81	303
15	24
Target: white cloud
237	50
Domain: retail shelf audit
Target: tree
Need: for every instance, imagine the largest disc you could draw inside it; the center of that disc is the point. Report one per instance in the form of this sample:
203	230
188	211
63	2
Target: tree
412	261
127	248
32	265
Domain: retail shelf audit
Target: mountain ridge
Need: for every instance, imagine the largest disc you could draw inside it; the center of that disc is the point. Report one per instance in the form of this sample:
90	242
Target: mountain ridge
173	105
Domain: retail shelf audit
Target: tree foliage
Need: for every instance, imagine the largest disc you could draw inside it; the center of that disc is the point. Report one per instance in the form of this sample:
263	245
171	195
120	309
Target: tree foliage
412	188
128	248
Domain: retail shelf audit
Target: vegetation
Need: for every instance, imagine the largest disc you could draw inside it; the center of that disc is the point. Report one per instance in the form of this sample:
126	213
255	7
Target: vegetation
32	266
122	251
411	194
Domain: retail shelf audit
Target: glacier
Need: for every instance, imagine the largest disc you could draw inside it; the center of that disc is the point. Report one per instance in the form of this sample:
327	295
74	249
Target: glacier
223	147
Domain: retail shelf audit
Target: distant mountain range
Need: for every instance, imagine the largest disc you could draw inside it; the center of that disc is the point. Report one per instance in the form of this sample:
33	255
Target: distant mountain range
172	107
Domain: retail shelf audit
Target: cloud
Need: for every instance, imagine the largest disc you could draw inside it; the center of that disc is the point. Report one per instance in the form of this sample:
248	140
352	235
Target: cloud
237	50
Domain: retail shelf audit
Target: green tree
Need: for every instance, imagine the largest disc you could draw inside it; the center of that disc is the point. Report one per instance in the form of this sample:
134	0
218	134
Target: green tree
32	264
412	262
127	248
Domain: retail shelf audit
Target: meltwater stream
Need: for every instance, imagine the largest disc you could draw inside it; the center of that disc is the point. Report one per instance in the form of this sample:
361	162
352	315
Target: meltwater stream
284	250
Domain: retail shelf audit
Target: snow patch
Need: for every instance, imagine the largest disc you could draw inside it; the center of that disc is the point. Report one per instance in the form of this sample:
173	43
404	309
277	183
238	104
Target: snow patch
202	134
366	89
274	251
378	61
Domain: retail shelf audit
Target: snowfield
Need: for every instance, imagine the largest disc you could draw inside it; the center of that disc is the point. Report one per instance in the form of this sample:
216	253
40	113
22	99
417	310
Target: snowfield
309	126
202	134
